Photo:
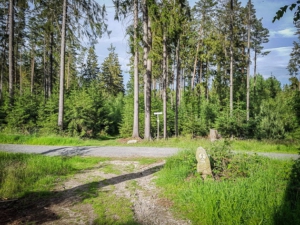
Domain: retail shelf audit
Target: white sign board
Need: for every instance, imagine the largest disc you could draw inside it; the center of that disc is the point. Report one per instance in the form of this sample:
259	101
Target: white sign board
157	113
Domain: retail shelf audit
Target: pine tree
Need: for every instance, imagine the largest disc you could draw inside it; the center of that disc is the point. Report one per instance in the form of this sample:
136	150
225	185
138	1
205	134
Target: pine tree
294	63
91	68
111	77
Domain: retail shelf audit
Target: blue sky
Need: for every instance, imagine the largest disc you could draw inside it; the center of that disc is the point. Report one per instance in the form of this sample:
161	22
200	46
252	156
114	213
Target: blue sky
280	41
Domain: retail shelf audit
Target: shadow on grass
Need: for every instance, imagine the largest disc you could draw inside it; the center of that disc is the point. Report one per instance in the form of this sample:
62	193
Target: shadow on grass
289	212
34	208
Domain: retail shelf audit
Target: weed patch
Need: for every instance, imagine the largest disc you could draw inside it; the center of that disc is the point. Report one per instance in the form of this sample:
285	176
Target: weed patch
246	190
25	173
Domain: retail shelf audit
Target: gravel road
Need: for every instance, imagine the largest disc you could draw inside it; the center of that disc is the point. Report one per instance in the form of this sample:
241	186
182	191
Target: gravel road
115	151
106	151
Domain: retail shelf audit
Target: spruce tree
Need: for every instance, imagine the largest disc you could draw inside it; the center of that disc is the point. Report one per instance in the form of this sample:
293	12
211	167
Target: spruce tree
111	78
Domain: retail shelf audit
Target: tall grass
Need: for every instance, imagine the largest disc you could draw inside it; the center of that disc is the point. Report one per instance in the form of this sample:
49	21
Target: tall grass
251	193
24	173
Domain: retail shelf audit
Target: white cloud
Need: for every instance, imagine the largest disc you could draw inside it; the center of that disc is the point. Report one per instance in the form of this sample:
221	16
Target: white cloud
287	32
275	63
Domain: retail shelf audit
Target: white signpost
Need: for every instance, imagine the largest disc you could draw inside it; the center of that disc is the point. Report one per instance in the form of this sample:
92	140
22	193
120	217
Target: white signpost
157	114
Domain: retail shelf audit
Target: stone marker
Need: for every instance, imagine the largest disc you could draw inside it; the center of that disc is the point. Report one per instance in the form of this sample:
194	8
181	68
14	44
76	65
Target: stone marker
214	135
132	141
203	166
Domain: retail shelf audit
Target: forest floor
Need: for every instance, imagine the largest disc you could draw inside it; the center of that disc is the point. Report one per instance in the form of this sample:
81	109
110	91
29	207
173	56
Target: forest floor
67	203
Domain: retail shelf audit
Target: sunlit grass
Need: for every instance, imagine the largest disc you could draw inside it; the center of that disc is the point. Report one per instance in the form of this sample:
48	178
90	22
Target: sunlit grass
24	173
255	198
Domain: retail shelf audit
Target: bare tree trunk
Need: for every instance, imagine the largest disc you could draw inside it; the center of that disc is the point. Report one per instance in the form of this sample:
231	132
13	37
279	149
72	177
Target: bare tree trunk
68	72
11	60
1	78
177	88
62	67
20	80
147	75
231	58
51	65
207	78
248	57
195	65
32	69
165	81
255	58
135	132
45	70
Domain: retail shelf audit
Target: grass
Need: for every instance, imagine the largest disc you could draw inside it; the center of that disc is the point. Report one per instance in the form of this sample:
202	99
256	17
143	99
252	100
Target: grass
247	190
54	140
252	190
24	173
110	209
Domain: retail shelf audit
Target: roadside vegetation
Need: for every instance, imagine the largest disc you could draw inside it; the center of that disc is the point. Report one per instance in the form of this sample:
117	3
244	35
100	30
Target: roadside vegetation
258	190
21	174
244	189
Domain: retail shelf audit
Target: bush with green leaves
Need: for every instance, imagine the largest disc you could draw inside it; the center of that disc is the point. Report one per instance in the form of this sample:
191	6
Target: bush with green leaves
22	117
196	114
220	157
277	116
85	114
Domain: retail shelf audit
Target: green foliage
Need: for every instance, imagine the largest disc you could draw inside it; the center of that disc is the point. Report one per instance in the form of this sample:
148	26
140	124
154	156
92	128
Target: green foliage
197	115
277	116
233	126
254	191
85	113
111	78
47	115
23	116
220	157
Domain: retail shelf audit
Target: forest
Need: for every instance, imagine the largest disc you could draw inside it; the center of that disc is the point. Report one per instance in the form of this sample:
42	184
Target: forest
190	63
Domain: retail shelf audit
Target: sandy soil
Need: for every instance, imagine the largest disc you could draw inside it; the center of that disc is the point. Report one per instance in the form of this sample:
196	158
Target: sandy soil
65	205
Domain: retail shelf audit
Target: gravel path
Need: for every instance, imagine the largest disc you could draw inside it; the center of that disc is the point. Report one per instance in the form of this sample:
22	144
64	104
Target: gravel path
115	151
106	151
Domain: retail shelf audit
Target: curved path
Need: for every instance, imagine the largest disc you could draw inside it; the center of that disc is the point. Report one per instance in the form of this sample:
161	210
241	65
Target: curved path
114	151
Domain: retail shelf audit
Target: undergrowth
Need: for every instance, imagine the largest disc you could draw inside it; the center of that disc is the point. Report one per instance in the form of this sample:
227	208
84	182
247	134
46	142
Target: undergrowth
246	189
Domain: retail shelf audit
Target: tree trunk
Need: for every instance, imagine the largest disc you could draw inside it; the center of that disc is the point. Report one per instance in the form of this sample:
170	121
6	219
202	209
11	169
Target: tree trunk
255	58
51	65
20	72
135	132
45	69
231	58
177	88
248	57
68	71
62	67
207	78
32	69
195	64
147	75
165	81
11	60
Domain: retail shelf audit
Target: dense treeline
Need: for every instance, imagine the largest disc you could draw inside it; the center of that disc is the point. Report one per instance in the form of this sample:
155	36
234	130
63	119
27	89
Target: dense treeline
192	64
